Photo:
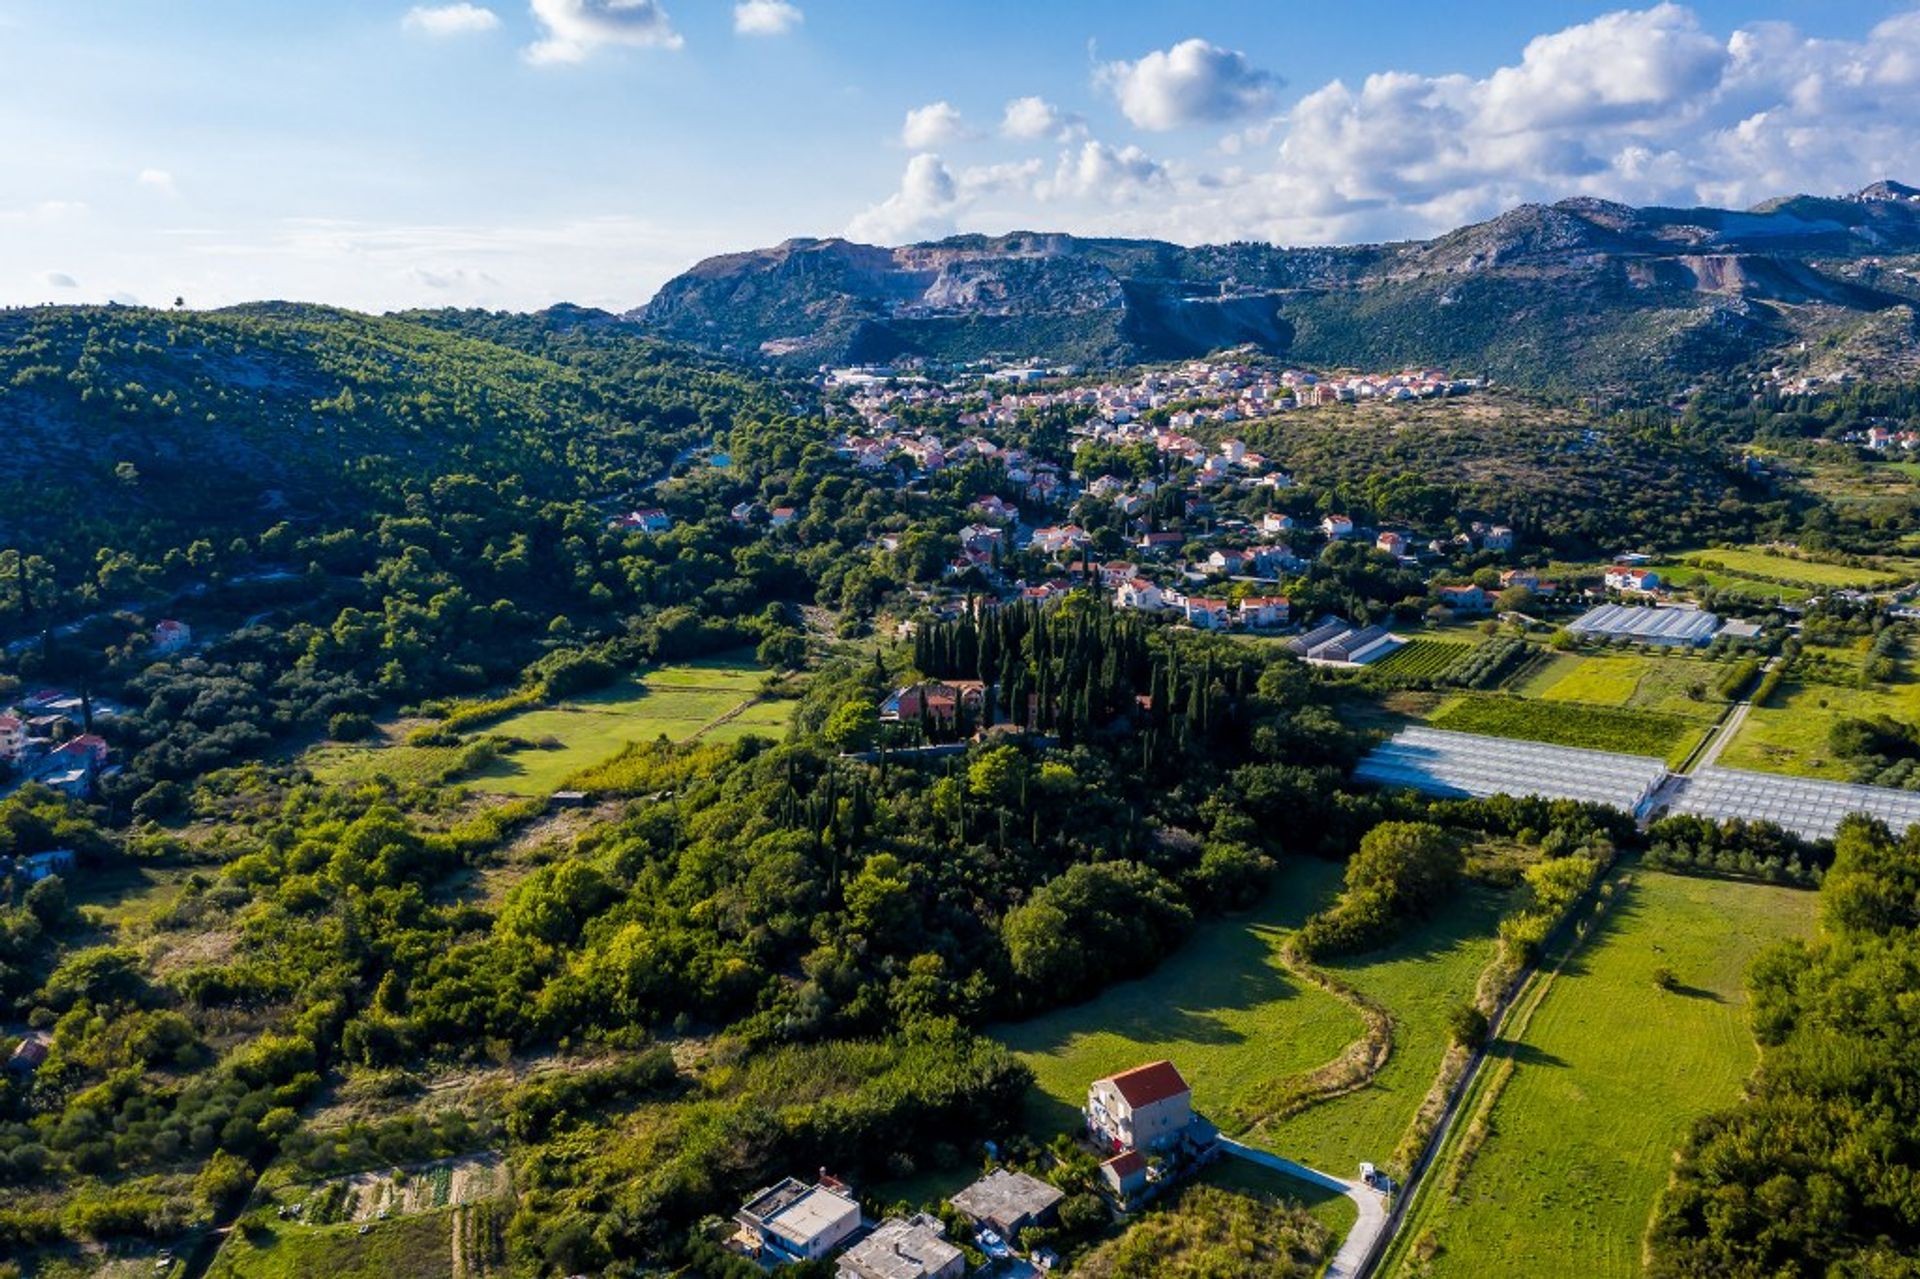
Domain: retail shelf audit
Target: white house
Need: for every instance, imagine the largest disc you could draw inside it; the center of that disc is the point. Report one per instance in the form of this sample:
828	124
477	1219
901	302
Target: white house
1147	1108
170	636
1138	593
1265	611
1337	526
1632	579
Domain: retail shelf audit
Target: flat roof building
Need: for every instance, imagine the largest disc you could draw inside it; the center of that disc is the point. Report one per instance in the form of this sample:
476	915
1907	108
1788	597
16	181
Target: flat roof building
797	1222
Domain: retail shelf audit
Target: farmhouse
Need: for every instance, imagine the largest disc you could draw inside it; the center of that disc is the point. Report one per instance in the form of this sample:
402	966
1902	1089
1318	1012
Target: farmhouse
940	701
1008	1202
1147	1108
793	1221
913	1247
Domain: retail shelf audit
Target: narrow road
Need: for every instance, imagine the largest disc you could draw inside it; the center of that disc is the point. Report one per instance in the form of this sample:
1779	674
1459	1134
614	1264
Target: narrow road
1358	1247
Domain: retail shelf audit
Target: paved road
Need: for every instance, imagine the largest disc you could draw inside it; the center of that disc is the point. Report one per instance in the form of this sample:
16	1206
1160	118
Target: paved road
1358	1246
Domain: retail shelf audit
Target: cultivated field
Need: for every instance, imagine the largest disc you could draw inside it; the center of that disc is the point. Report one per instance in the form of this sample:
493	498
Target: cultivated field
1669	685
1423	658
439	1219
552	743
1605	1076
1567	723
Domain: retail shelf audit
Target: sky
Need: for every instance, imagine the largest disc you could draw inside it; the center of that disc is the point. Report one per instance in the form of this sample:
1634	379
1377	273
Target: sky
516	153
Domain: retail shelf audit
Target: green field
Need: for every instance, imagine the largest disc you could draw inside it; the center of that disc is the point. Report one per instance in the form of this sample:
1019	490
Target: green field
677	701
1790	733
1225	1011
1606	1077
1669	685
1420	979
418	1247
1333	1210
1754	562
1605	728
1222	1009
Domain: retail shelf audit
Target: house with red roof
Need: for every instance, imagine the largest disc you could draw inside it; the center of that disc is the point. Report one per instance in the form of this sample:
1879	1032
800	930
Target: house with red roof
170	636
1147	1108
1125	1174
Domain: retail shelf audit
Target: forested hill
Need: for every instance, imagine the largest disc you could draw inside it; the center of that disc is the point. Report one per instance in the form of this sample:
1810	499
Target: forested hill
128	426
1582	293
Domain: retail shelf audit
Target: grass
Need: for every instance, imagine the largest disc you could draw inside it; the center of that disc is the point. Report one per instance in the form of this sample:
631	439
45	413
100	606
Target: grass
1223	1009
1605	1078
1666	685
1606	728
677	701
417	1247
1423	658
1790	733
1756	562
1329	1207
1420	979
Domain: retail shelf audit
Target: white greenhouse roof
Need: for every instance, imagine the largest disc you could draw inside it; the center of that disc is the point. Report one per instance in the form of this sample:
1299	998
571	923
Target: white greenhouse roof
1811	809
1439	762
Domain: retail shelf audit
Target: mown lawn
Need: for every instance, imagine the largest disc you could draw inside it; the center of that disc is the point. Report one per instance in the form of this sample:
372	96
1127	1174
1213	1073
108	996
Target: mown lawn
1790	733
418	1247
1222	1009
1606	728
1608	1073
1420	979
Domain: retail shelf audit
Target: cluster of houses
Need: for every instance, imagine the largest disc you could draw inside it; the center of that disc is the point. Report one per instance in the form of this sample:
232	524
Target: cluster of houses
1141	1121
40	741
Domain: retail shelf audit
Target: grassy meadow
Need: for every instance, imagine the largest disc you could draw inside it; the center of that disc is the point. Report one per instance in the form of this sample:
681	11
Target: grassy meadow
1606	1072
716	697
1222	1008
1790	733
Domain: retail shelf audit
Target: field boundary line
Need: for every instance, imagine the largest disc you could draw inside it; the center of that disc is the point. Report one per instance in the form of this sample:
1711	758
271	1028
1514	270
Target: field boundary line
1388	1245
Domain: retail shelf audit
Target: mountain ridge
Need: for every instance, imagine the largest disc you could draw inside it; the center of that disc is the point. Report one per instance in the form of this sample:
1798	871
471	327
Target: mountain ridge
1623	288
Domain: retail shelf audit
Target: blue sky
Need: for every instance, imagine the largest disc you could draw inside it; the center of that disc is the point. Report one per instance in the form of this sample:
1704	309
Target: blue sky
513	153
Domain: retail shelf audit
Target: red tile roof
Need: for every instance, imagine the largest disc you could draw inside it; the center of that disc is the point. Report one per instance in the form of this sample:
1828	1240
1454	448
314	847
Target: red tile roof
1145	1085
1127	1163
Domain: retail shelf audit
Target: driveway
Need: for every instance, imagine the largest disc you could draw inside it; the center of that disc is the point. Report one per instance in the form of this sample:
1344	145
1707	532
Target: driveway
1357	1248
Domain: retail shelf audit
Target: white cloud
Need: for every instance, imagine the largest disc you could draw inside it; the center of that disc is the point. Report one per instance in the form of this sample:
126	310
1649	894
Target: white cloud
1034	118
923	206
766	17
1645	106
933	125
1194	82
157	180
1098	171
60	280
575	28
441	20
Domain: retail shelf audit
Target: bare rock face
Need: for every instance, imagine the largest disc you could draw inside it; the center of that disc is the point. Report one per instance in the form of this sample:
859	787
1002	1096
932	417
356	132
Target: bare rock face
1607	285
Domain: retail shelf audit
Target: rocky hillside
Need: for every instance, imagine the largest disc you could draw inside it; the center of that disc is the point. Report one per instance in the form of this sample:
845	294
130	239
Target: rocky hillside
1582	293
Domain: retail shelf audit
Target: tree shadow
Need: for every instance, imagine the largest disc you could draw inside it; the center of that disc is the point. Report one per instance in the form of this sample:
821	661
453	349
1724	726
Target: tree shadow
1697	992
1522	1053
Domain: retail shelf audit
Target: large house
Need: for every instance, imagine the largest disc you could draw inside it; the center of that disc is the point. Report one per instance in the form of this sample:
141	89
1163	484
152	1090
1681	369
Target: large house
1147	1108
13	735
1467	601
1337	526
938	700
1138	593
913	1247
1632	579
1263	611
793	1221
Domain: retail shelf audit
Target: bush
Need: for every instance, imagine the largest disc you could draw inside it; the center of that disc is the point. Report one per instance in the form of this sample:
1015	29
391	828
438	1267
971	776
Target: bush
350	726
1401	871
